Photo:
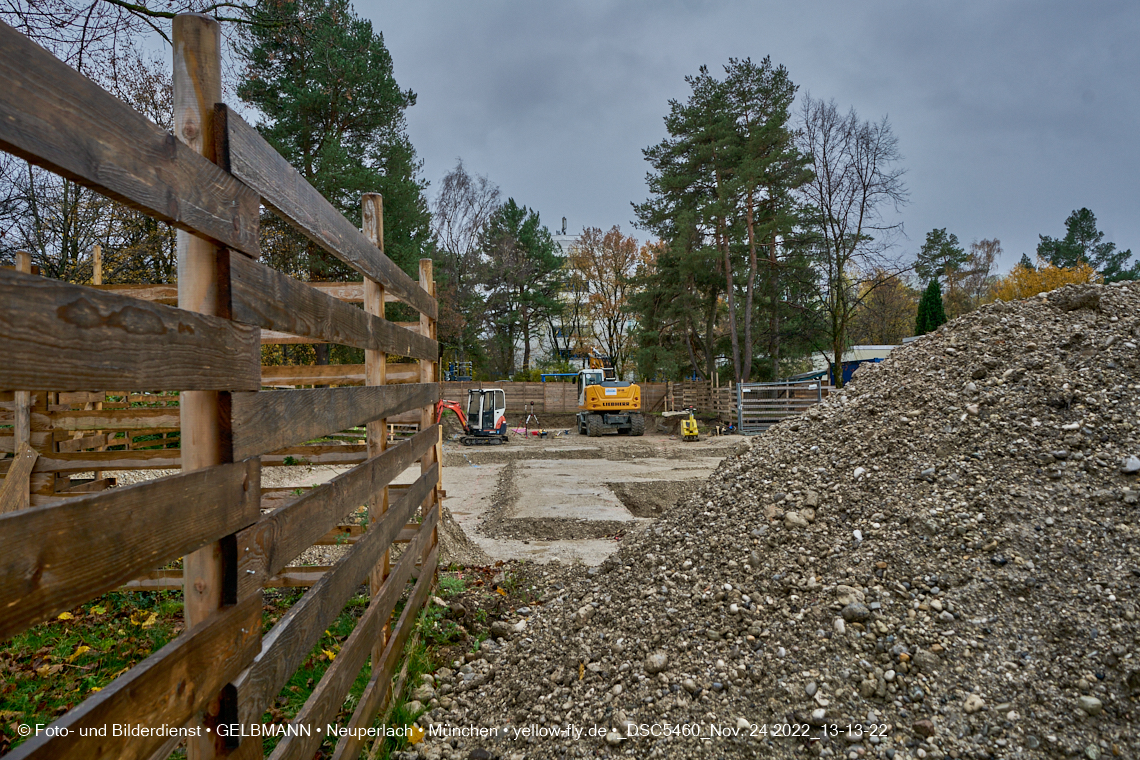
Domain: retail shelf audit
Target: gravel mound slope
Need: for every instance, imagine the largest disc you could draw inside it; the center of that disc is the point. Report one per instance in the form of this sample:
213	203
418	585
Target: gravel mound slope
940	561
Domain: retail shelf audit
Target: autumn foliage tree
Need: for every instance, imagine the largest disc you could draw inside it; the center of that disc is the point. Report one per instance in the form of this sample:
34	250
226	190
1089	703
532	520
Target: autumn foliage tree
886	314
605	262
1025	282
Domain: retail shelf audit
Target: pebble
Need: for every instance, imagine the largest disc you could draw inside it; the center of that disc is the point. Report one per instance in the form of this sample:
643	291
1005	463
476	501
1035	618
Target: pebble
1090	705
855	613
656	663
973	704
840	626
811	688
1131	465
794	519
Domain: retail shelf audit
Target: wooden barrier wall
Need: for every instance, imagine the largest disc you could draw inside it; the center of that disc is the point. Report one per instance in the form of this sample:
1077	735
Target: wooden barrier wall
208	180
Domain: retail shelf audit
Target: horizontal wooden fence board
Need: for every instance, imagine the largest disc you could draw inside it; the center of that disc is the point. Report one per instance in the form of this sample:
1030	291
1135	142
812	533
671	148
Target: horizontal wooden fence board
158	459
84	443
84	547
56	118
70	337
268	546
335	374
291	640
274	301
328	696
116	419
164	689
167	293
255	162
271	420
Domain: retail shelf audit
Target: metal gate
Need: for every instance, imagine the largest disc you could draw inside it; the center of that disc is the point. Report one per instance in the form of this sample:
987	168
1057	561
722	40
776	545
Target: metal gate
761	405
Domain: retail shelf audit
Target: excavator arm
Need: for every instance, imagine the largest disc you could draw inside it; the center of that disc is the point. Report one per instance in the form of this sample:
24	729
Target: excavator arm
453	406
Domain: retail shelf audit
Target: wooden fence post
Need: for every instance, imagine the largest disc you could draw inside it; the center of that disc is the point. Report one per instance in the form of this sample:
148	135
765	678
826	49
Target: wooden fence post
375	373
203	286
19	492
429	373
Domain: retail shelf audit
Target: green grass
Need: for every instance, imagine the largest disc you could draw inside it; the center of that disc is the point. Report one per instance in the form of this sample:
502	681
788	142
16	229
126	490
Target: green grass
46	671
450	585
54	666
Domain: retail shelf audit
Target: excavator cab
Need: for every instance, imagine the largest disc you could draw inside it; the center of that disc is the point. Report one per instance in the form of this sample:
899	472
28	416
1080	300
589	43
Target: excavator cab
485	423
487	411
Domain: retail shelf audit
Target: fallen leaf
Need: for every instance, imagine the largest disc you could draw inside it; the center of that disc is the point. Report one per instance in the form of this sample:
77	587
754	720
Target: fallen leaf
79	650
330	654
98	610
65	616
416	735
500	592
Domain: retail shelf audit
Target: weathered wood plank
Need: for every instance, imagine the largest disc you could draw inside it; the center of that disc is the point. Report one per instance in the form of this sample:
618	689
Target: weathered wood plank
14	492
91	486
56	118
274	301
353	292
376	691
84	443
116	419
87	546
273	542
57	335
291	640
344	457
255	162
81	461
164	689
328	696
272	420
335	374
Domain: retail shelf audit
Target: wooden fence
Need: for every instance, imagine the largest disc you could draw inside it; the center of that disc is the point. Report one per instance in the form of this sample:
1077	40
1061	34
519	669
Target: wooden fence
60	341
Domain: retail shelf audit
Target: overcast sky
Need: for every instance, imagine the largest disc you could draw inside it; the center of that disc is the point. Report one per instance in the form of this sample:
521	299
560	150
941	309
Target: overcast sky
1009	114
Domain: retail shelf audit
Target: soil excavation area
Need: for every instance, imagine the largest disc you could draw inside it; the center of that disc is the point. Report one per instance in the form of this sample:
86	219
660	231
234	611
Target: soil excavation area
570	498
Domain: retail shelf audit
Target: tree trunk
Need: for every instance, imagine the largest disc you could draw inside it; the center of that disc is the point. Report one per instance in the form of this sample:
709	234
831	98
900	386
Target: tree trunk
723	235
710	353
746	372
774	320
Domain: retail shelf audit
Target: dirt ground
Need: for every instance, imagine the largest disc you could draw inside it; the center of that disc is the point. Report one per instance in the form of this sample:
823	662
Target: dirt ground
569	498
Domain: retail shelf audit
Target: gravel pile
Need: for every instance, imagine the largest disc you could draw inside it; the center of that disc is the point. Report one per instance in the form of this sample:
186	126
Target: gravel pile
940	561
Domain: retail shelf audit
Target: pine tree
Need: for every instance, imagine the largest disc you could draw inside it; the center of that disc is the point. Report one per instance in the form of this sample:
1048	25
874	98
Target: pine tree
523	279
931	315
323	80
1084	244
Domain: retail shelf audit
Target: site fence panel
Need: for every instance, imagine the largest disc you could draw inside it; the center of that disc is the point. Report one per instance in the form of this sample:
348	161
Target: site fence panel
169	377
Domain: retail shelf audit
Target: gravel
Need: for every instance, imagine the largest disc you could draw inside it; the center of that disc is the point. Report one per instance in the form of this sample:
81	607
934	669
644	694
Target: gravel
967	578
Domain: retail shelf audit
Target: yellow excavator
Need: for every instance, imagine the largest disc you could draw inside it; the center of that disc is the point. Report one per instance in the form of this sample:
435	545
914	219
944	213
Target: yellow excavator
606	403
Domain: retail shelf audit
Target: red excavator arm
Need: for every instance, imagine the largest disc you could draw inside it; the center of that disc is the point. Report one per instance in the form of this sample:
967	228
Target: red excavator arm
453	406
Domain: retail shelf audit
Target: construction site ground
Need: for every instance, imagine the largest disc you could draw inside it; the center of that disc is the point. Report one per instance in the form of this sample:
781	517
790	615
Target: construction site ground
567	497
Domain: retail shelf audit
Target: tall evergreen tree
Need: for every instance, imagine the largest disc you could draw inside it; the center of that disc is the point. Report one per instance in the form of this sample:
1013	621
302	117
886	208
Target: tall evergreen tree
1084	244
941	257
322	78
523	278
931	314
723	186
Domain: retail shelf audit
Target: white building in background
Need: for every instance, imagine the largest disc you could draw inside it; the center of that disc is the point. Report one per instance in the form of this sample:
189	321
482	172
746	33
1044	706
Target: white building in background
564	241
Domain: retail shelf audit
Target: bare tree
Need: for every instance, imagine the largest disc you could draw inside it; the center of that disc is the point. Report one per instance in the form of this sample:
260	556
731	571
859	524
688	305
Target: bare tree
59	222
460	212
857	178
979	277
461	209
